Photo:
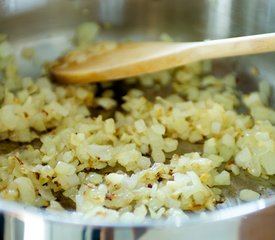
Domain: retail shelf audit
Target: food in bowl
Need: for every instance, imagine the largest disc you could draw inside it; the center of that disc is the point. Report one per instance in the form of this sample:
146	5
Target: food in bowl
155	145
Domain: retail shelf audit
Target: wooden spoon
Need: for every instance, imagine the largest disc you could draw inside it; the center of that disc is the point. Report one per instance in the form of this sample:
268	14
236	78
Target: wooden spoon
111	61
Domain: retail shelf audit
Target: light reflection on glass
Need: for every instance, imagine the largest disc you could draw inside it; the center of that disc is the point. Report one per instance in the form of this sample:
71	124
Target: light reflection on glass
111	11
17	6
34	228
219	18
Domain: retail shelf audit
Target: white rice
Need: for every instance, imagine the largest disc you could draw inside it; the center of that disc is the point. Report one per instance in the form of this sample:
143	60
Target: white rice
248	195
130	163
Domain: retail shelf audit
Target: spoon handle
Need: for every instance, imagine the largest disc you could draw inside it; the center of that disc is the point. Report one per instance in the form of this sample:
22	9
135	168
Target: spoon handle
235	46
131	59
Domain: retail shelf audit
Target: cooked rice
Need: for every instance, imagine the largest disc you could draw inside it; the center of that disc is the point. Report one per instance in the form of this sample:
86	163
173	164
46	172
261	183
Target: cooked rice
131	159
248	195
